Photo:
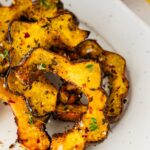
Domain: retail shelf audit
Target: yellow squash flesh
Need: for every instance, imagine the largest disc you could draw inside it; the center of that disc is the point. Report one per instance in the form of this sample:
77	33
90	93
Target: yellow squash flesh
114	67
68	141
8	14
43	10
41	95
30	132
70	112
88	81
60	31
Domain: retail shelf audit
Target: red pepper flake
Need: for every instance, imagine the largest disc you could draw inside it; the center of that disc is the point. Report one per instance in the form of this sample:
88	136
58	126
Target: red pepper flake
26	35
11	101
85	136
76	146
90	110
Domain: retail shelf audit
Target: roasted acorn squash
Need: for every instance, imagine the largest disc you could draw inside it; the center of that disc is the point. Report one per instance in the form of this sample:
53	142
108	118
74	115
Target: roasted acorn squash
40	95
60	31
30	130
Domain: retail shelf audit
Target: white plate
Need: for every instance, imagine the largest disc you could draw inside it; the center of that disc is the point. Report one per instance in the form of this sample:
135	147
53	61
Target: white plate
141	8
123	32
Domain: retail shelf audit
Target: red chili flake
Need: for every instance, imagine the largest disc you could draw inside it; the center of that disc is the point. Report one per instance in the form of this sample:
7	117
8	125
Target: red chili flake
26	35
90	110
11	101
85	136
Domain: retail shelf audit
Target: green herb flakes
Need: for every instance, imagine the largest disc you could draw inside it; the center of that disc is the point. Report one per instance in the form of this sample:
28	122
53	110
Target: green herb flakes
45	3
41	67
93	125
4	55
90	67
30	121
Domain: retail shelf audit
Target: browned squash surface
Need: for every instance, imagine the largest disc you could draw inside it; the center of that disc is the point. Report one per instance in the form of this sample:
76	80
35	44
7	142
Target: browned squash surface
41	95
60	31
93	125
43	9
114	67
69	112
68	141
8	14
30	131
62	67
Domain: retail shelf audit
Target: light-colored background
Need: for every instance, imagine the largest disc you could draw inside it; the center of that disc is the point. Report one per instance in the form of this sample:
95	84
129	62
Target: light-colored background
141	8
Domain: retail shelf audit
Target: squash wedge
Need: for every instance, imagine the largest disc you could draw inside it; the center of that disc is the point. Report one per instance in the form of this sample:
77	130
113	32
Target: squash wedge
69	112
114	67
8	14
69	94
73	139
93	125
30	131
60	31
40	95
62	67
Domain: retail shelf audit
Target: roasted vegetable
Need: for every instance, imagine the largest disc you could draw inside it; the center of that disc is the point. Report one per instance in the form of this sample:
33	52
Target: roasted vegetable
40	38
8	14
30	130
40	95
69	94
69	112
68	141
89	49
60	31
93	125
59	65
114	67
43	9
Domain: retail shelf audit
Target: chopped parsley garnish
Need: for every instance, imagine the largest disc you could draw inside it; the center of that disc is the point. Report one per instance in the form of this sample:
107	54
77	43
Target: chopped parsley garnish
41	67
30	121
45	3
93	125
4	55
90	67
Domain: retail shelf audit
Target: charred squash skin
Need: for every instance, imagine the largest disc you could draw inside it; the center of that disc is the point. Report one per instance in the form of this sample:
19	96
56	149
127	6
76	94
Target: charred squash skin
8	14
69	112
62	67
43	10
40	95
60	31
114	67
30	131
69	107
68	141
88	81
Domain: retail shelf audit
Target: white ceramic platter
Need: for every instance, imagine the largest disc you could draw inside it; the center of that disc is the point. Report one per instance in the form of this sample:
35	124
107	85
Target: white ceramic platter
118	29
